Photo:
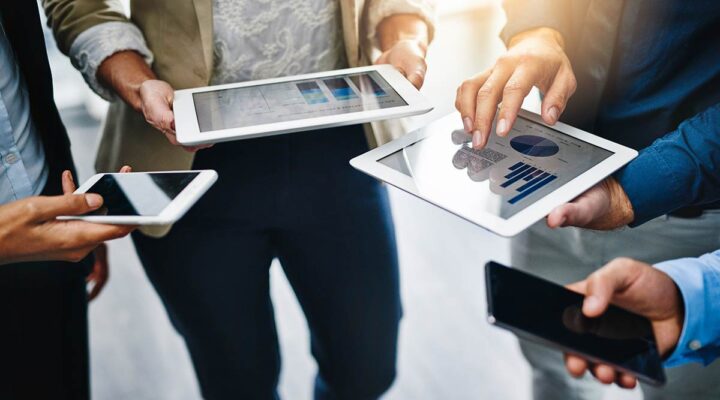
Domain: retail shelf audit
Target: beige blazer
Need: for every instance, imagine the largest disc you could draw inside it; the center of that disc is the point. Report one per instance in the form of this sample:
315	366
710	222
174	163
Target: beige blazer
180	34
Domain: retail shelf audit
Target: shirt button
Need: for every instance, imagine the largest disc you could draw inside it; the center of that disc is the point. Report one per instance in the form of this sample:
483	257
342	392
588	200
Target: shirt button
11	158
695	345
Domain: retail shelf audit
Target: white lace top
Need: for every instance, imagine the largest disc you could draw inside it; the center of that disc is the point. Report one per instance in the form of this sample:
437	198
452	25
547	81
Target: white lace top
258	39
253	38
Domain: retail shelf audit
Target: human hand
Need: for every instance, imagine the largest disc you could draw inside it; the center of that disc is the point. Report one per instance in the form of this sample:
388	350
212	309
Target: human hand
534	58
30	232
101	268
637	287
605	206
408	57
156	102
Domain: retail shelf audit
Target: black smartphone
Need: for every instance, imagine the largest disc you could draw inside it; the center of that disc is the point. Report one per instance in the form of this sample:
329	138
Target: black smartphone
549	314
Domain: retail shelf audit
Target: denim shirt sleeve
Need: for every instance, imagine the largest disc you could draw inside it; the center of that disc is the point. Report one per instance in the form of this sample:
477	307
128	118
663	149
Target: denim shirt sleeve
699	282
677	170
101	41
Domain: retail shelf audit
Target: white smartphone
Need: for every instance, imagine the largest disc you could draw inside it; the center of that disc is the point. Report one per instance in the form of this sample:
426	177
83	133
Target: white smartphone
145	198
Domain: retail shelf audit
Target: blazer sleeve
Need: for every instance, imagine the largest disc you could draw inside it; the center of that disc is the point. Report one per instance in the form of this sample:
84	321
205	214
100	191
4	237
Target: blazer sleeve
69	18
523	15
381	9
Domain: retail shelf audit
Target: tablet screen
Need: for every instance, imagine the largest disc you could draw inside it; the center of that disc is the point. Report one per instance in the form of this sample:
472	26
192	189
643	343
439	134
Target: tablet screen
504	178
139	194
294	100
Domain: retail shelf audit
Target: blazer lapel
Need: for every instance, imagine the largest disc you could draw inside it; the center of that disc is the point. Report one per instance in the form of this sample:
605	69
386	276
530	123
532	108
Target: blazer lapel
204	14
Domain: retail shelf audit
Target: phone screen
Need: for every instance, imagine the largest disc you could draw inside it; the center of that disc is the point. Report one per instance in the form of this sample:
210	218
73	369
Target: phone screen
139	194
548	313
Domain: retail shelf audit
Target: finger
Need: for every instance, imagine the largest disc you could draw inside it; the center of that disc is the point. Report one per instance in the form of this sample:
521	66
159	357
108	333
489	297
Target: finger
600	288
578	213
158	112
516	89
125	169
488	98
626	381
556	98
466	99
82	234
416	71
575	365
68	183
579	287
99	276
604	373
47	208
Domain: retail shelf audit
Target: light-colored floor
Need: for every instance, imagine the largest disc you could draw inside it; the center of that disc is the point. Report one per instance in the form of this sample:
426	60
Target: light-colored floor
447	350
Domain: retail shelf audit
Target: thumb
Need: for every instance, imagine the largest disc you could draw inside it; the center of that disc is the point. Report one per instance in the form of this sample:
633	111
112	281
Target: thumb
46	208
598	294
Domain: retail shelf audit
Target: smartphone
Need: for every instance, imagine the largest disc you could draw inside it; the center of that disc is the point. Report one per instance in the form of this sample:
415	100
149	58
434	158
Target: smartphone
145	198
549	314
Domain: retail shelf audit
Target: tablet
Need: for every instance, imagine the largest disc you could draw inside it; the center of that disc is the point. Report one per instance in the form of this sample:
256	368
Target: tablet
551	315
145	198
509	185
296	103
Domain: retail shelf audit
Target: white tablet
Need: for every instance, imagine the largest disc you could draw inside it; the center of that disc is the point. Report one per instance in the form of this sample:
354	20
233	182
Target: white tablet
145	198
297	103
509	185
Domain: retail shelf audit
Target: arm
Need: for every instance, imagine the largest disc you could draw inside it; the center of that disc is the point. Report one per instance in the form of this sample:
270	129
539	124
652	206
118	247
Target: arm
676	171
679	297
402	30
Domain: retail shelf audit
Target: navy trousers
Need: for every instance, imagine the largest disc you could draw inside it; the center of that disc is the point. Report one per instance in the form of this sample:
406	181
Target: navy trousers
292	197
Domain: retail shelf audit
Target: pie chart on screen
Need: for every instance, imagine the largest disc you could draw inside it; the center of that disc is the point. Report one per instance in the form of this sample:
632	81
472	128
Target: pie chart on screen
534	146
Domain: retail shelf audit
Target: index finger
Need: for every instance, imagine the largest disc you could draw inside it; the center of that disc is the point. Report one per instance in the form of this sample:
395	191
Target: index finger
514	93
86	233
488	98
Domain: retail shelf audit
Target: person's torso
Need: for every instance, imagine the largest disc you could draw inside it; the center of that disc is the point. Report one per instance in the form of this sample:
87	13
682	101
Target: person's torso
666	68
274	38
23	170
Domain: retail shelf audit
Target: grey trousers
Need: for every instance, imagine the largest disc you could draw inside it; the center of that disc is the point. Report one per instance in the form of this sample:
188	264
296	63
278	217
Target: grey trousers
568	255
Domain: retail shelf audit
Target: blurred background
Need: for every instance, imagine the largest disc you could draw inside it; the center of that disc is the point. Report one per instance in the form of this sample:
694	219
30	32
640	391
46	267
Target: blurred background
447	349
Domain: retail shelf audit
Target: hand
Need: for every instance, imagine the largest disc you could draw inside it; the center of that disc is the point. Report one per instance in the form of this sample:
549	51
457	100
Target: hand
408	57
127	73
637	287
101	269
30	232
156	102
605	206
403	39
534	58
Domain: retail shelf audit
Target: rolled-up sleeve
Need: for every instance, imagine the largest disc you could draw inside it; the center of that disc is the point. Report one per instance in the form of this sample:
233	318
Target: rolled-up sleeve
101	41
698	280
379	10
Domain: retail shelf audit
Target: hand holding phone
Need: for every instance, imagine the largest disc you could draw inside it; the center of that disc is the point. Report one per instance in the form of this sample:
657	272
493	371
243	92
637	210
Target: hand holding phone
551	315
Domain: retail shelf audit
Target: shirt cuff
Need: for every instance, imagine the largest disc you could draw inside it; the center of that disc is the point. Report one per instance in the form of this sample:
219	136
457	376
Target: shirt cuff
425	9
640	179
696	278
101	41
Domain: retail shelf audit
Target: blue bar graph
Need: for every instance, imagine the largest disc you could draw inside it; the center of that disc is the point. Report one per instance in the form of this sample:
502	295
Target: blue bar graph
517	171
533	182
516	166
527	192
533	175
518	176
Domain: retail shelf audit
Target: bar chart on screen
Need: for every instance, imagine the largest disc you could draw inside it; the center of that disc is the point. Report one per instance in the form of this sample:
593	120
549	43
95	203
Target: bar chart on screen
525	179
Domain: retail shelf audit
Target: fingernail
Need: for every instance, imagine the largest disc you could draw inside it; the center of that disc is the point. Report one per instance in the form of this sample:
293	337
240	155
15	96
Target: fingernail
501	127
70	177
93	200
563	221
592	303
554	114
467	122
477	139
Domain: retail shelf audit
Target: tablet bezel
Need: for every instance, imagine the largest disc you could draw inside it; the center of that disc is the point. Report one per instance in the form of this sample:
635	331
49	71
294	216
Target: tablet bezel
188	129
170	214
523	219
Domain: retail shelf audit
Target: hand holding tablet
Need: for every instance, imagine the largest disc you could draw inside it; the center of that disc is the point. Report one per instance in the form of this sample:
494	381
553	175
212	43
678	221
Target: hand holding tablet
297	103
507	186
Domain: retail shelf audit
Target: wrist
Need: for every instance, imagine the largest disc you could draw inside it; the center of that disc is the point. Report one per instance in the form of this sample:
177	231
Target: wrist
620	203
399	28
125	72
545	34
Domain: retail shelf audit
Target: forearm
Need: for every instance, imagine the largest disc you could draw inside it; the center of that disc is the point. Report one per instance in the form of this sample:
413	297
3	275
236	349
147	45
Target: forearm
124	72
676	171
528	15
401	27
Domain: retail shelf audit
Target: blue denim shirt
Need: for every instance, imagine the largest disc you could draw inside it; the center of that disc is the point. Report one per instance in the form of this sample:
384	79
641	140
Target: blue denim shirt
699	282
23	170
